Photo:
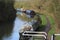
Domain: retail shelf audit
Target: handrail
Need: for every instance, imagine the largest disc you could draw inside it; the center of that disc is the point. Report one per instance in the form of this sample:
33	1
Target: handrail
34	35
36	32
45	36
57	34
54	35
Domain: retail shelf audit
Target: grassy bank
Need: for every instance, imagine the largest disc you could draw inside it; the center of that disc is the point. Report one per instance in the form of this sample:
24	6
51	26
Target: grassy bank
46	7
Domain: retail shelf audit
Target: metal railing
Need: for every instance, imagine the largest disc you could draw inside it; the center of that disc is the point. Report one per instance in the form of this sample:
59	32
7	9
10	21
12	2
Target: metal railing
54	35
38	34
35	34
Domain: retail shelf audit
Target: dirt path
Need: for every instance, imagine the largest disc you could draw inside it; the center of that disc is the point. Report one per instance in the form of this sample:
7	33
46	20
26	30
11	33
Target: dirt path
48	25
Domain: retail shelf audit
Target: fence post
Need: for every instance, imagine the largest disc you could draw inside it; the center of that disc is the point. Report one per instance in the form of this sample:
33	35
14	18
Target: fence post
53	37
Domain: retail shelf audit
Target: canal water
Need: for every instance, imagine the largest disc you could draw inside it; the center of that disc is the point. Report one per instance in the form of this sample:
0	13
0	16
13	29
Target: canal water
18	25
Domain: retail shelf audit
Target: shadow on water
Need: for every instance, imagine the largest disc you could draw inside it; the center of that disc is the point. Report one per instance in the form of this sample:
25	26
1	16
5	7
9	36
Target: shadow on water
6	29
7	17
